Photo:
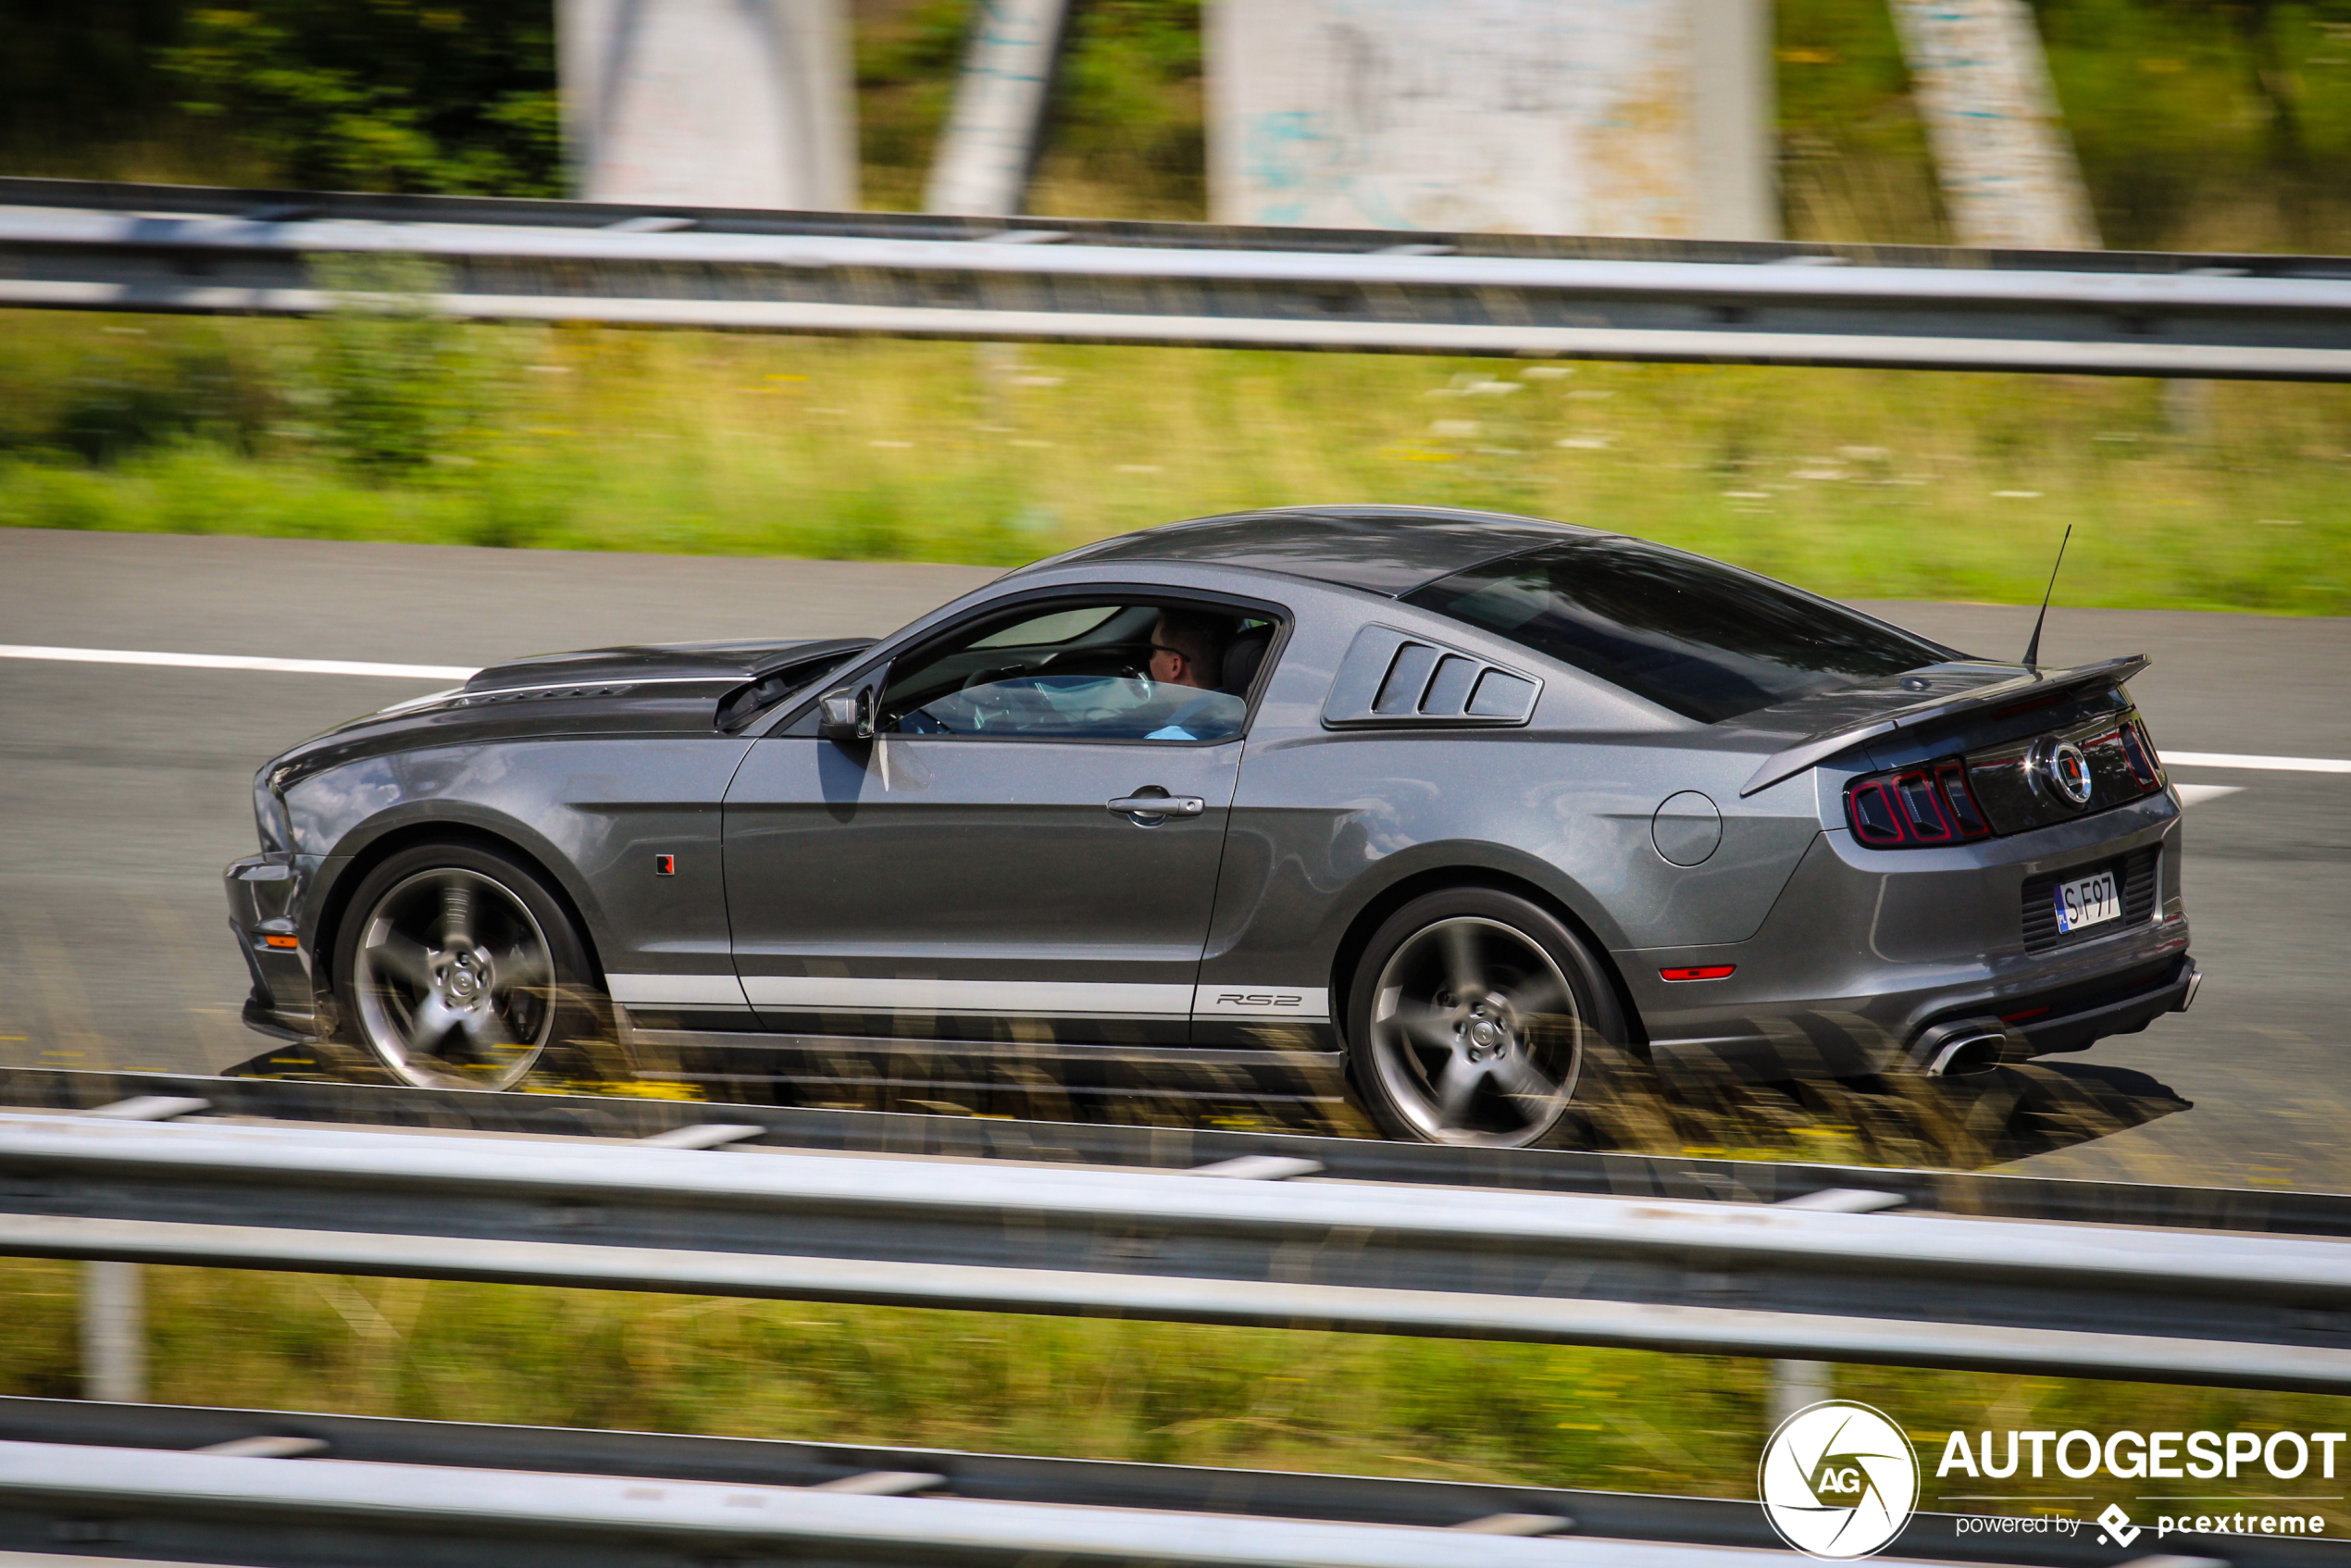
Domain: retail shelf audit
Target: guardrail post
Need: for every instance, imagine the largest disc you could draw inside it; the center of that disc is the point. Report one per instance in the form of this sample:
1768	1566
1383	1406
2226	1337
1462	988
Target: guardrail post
114	1333
1795	1384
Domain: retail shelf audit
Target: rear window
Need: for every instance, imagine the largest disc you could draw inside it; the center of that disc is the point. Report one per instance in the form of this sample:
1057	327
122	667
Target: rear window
1707	640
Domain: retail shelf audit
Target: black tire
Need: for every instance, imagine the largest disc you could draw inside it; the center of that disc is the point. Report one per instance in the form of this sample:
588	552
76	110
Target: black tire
455	967
1477	1017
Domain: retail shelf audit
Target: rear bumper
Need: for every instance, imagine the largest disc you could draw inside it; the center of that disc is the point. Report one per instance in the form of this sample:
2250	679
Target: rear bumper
1868	950
2125	1009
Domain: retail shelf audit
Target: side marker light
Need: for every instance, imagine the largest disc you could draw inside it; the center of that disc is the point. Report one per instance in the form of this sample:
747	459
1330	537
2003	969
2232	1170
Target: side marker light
1702	972
281	941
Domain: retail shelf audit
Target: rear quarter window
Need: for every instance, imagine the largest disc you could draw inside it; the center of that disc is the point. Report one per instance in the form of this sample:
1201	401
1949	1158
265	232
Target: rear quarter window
1704	640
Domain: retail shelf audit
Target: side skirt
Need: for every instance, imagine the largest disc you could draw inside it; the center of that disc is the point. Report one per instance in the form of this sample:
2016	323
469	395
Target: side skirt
1054	1080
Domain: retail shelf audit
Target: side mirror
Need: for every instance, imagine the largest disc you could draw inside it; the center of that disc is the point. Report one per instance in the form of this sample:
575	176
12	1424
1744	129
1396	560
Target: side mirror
846	713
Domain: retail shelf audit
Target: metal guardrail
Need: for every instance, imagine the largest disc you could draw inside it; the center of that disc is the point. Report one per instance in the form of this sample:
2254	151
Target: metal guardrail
2207	1307
2264	1210
248	1511
89	246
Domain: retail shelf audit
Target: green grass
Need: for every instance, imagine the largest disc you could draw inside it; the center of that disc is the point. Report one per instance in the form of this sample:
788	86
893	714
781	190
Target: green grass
1864	483
1159	1392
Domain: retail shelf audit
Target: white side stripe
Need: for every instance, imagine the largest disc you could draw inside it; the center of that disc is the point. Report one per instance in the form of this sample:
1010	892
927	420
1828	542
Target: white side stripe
832	993
677	990
1024	998
237	661
2275	765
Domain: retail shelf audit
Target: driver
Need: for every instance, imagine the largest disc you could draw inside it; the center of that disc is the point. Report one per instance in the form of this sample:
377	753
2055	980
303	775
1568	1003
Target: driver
1188	648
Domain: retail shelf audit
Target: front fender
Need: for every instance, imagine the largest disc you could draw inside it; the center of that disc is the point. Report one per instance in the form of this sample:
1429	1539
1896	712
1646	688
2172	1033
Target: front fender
345	815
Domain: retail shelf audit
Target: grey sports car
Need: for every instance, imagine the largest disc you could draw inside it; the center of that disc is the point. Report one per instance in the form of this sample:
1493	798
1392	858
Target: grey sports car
1483	802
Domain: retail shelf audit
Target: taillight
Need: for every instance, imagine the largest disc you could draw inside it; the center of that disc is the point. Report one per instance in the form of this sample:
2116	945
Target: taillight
1914	808
2138	750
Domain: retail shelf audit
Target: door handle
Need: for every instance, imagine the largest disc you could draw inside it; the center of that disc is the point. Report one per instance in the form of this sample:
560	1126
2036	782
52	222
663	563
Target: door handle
1158	807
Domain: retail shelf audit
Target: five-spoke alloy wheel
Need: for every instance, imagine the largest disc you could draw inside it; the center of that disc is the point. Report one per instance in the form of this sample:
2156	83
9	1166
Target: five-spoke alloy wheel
1475	1017
458	970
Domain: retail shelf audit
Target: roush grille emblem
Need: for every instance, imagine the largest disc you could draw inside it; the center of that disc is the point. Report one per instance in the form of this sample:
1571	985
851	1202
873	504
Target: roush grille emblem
2067	772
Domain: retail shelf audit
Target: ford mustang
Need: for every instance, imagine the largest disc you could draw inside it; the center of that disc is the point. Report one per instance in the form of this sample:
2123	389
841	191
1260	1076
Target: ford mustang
1482	807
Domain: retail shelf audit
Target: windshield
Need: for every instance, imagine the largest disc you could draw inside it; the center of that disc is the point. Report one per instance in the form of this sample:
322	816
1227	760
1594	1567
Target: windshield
1707	640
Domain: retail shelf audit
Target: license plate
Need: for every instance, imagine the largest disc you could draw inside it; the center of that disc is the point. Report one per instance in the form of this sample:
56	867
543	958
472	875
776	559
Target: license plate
2088	901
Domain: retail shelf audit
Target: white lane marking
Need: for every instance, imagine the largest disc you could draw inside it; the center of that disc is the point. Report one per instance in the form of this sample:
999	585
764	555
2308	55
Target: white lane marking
237	661
2275	765
2192	793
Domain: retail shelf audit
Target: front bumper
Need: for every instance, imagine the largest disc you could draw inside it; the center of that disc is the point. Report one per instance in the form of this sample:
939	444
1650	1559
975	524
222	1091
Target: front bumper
264	902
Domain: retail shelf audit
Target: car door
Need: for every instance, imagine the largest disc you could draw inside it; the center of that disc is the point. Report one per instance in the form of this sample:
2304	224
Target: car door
989	865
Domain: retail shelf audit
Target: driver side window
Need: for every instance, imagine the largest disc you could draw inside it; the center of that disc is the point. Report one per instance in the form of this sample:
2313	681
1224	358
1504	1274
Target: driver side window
1163	670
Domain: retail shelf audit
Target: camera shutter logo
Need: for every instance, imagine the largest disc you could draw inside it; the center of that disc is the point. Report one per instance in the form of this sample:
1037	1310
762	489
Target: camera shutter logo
1839	1480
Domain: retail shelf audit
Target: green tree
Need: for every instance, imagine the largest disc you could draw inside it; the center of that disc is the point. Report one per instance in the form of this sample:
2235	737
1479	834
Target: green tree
446	96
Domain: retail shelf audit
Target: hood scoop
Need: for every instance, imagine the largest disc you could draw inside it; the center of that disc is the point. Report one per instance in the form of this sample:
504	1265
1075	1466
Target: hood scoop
603	671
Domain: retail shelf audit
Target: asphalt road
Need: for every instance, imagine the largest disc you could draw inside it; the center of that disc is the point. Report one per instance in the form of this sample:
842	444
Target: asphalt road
123	789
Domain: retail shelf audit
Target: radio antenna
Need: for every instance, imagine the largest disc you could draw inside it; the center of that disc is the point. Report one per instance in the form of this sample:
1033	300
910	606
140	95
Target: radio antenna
2032	648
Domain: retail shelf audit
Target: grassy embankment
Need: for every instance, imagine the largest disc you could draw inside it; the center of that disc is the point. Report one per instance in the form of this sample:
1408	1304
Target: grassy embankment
1866	484
1279	1399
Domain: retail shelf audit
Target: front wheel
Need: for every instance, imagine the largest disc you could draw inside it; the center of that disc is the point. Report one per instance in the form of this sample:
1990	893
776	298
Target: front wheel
457	970
1477	1017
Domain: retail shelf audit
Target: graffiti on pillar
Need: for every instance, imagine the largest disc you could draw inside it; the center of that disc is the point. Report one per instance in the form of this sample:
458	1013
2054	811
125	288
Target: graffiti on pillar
1525	116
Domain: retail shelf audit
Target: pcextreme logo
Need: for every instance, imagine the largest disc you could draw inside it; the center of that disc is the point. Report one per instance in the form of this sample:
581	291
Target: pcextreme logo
1839	1480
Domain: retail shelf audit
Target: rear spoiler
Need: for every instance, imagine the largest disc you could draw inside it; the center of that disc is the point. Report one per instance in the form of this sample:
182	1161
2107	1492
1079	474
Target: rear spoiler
2034	684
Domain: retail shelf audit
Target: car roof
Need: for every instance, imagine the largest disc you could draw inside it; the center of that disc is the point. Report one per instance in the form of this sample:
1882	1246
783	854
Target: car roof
1386	549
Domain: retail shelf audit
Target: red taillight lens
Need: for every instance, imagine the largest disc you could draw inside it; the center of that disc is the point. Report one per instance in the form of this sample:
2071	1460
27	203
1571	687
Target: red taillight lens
2138	750
1915	807
1869	807
1952	778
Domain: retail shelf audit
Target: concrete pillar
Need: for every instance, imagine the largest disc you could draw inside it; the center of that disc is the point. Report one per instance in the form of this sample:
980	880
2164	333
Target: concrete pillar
989	145
114	1333
2001	154
1565	117
1734	113
710	103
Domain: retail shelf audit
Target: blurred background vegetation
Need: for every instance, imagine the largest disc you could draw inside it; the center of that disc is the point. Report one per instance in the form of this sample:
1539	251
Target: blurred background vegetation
2201	124
2207	124
1161	1393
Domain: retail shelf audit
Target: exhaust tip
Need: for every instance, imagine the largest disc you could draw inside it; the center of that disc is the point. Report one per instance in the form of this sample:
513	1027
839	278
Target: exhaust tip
1960	1048
1966	1055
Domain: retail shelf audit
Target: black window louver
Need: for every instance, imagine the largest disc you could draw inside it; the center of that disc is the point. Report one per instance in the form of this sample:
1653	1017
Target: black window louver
1394	677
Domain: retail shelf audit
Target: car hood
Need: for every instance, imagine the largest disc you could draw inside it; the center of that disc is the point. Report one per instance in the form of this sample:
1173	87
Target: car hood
681	688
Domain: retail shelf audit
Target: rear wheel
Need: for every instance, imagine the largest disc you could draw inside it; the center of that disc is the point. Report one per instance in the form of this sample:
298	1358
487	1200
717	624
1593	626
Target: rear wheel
456	968
1477	1017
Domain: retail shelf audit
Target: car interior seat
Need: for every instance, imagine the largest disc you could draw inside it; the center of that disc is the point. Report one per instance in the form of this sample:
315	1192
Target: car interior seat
1242	657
